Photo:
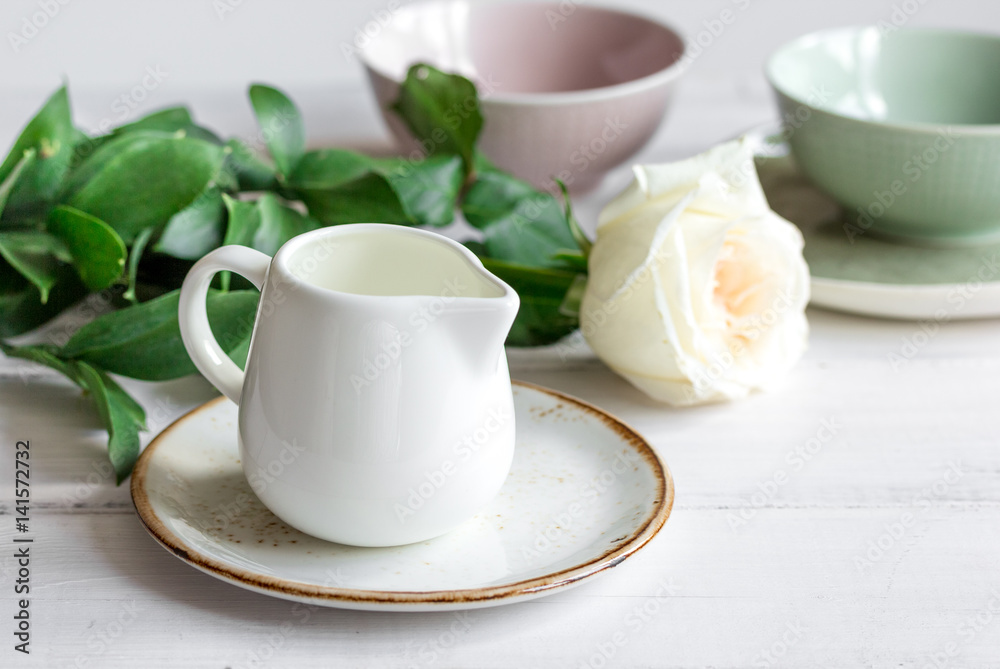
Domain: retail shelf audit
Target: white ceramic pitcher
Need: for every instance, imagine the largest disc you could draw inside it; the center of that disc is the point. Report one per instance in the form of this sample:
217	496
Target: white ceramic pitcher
376	408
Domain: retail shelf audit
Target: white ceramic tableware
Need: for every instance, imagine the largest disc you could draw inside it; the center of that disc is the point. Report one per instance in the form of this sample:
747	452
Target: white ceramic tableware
567	90
585	493
376	406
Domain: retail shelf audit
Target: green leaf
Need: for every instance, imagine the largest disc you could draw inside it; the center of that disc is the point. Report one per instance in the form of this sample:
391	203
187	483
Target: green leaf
159	274
345	187
171	120
572	260
280	124
574	297
121	415
265	224
174	121
142	179
134	258
167	120
242	222
7	185
43	355
21	307
329	168
94	162
98	253
441	110
144	342
197	229
52	135
481	163
252	173
341	186
35	256
541	320
520	224
369	199
428	189
278	224
476	247
582	241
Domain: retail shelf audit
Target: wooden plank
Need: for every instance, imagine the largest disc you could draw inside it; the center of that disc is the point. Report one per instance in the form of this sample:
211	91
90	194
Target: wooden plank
702	594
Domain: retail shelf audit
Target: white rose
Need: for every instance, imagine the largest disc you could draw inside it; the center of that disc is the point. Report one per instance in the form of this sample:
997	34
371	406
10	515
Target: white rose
697	290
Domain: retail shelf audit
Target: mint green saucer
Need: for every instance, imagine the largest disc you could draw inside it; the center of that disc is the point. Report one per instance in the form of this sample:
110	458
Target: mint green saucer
857	272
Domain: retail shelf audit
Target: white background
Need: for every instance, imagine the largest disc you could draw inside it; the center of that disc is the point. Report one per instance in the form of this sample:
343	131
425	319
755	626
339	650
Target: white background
739	591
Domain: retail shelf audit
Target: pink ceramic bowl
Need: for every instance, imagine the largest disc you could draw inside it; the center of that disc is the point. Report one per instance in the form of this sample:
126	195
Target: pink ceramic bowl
568	91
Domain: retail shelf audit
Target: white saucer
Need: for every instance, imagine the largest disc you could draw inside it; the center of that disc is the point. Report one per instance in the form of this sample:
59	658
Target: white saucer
585	492
868	275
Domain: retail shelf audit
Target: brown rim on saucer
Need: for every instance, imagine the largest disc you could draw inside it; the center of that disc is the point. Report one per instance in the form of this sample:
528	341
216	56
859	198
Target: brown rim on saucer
654	520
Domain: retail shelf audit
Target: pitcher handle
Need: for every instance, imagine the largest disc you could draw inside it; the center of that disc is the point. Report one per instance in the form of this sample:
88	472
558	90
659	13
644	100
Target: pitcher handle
196	333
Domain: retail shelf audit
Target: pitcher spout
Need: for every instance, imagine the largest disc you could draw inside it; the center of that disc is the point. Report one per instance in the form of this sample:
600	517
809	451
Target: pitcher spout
478	326
431	291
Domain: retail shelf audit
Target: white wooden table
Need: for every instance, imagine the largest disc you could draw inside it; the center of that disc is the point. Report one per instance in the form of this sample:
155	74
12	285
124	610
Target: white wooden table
817	571
849	518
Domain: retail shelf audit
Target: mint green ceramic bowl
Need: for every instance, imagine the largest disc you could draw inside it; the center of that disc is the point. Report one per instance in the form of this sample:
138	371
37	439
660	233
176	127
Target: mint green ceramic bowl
901	127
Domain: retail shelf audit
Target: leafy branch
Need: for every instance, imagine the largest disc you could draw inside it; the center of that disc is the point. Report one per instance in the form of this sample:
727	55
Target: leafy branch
126	214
